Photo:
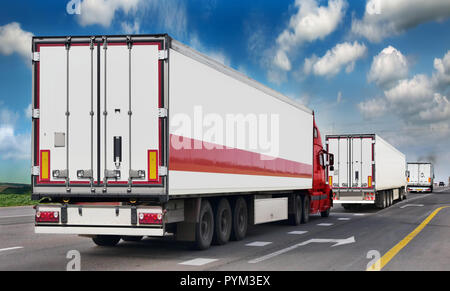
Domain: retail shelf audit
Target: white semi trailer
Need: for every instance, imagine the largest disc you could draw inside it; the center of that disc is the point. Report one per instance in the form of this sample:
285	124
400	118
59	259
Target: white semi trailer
420	177
367	170
143	136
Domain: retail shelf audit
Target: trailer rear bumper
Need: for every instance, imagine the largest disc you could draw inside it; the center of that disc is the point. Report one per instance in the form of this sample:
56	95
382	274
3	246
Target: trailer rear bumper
419	189
104	219
353	202
354	196
85	230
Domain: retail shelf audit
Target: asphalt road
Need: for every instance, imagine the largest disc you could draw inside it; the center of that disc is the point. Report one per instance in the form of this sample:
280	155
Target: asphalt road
343	241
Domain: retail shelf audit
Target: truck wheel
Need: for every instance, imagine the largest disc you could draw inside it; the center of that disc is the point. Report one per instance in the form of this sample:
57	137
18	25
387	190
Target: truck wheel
306	208
296	217
223	222
385	200
204	229
240	219
132	238
106	240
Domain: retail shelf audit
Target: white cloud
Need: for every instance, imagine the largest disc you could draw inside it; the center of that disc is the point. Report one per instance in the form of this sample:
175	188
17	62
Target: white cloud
12	145
339	97
13	39
129	28
102	12
385	18
388	67
442	75
372	108
216	55
420	102
311	22
342	55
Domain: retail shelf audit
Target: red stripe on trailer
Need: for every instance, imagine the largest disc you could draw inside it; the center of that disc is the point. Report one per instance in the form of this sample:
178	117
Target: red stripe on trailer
213	158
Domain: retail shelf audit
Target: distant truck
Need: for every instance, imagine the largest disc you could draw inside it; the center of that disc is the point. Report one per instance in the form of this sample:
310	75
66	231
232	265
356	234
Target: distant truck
420	177
118	145
367	170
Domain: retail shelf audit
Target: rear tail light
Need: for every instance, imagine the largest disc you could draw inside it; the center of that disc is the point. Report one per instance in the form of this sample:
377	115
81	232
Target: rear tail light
369	196
150	218
47	216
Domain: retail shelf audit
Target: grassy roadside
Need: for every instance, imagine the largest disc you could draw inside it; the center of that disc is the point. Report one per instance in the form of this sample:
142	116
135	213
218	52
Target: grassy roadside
8	200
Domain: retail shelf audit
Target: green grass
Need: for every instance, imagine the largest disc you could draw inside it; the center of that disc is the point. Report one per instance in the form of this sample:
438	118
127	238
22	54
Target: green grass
7	200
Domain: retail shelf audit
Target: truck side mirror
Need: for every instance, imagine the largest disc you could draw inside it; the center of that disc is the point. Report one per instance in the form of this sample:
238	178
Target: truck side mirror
331	160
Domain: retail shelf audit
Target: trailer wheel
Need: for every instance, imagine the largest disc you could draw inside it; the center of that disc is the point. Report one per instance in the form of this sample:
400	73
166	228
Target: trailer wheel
205	226
106	240
240	219
306	208
223	222
296	217
132	238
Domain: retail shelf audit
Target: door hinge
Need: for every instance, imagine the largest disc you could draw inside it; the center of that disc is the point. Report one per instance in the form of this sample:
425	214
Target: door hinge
162	171
162	112
35	171
35	113
36	56
163	55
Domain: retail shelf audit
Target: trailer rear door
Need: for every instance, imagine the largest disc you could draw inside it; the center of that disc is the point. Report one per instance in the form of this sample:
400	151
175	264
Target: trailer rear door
354	162
99	123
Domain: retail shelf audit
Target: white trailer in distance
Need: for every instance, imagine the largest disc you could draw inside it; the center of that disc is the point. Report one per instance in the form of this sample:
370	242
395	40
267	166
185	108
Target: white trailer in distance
367	170
420	177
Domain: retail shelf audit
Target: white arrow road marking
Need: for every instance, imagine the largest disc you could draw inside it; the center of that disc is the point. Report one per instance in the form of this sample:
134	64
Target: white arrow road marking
338	242
411	205
10	249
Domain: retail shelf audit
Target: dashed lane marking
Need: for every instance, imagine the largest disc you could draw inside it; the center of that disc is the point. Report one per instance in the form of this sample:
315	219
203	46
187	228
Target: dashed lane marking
298	232
198	262
325	224
259	244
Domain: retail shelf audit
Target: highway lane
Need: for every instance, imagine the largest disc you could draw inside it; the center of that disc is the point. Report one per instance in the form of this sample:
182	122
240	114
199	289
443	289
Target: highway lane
373	231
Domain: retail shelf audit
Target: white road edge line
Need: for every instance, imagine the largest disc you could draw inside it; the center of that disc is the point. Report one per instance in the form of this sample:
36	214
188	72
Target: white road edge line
10	249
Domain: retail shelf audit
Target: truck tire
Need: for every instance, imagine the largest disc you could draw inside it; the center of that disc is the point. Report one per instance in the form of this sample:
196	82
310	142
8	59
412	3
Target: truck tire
240	219
204	228
305	209
296	217
106	240
223	222
132	238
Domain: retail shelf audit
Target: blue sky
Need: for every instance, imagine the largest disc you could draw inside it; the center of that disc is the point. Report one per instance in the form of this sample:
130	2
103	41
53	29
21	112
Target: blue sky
376	66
